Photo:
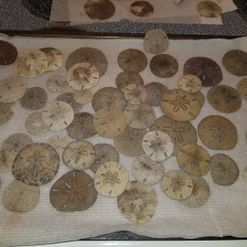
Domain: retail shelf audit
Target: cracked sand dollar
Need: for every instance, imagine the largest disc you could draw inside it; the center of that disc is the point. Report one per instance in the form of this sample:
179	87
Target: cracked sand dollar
6	113
217	133
177	185
180	105
189	83
60	142
156	41
31	64
104	153
224	170
34	98
242	87
57	115
135	94
132	60
209	9
74	191
82	76
224	98
36	164
157	145
109	122
57	84
83	96
7	158
111	179
79	155
199	195
164	65
146	170
138	202
82	126
20	197
194	160
108	97
8	53
140	116
124	79
141	8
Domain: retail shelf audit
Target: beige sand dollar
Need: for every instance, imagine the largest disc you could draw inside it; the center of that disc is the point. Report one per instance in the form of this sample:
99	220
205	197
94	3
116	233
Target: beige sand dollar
7	158
141	8
209	9
138	202
8	53
189	83
242	87
83	96
111	179
60	142
124	79
6	113
135	94
57	84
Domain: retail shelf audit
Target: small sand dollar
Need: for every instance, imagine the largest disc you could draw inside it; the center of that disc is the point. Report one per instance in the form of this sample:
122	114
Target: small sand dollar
57	84
8	53
141	8
209	9
124	79
83	96
135	94
189	83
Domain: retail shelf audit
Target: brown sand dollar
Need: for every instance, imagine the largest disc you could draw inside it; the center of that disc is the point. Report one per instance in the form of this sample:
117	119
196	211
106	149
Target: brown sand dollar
200	97
124	79
83	96
8	53
74	191
189	83
57	84
242	87
6	113
7	158
209	9
141	8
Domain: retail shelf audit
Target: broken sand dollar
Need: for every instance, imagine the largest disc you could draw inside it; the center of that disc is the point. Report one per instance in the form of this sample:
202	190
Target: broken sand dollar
157	145
141	8
32	63
205	68
57	84
20	197
200	193
224	170
138	202
156	41
108	97
209	9
132	60
135	94
74	191
57	115
111	179
79	155
218	133
164	65
224	98
82	76
194	160
60	142
83	96
140	116
146	170
177	185
130	141
109	122
34	98
180	105
7	158
124	79
154	90
180	132
189	83
88	55
82	126
242	87
36	164
5	113
104	153
99	9
8	53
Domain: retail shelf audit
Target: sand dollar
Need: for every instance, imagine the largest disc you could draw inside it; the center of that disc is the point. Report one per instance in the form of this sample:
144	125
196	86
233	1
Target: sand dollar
8	53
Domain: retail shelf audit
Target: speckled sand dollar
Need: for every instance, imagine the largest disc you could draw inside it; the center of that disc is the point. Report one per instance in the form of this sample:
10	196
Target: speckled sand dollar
103	153
164	65
200	193
242	87
180	105
109	122
124	79
157	145
8	53
224	170
111	179
224	98
74	191
132	60
83	96
34	98
141	8
180	132
209	9
60	142
156	41
57	115
57	84
146	170
135	94
79	155
82	126
6	113
130	141
34	124
20	197
139	116
154	90
138	202
189	83
109	97
36	164
7	158
194	160
177	185
218	133
82	76
12	88
32	63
